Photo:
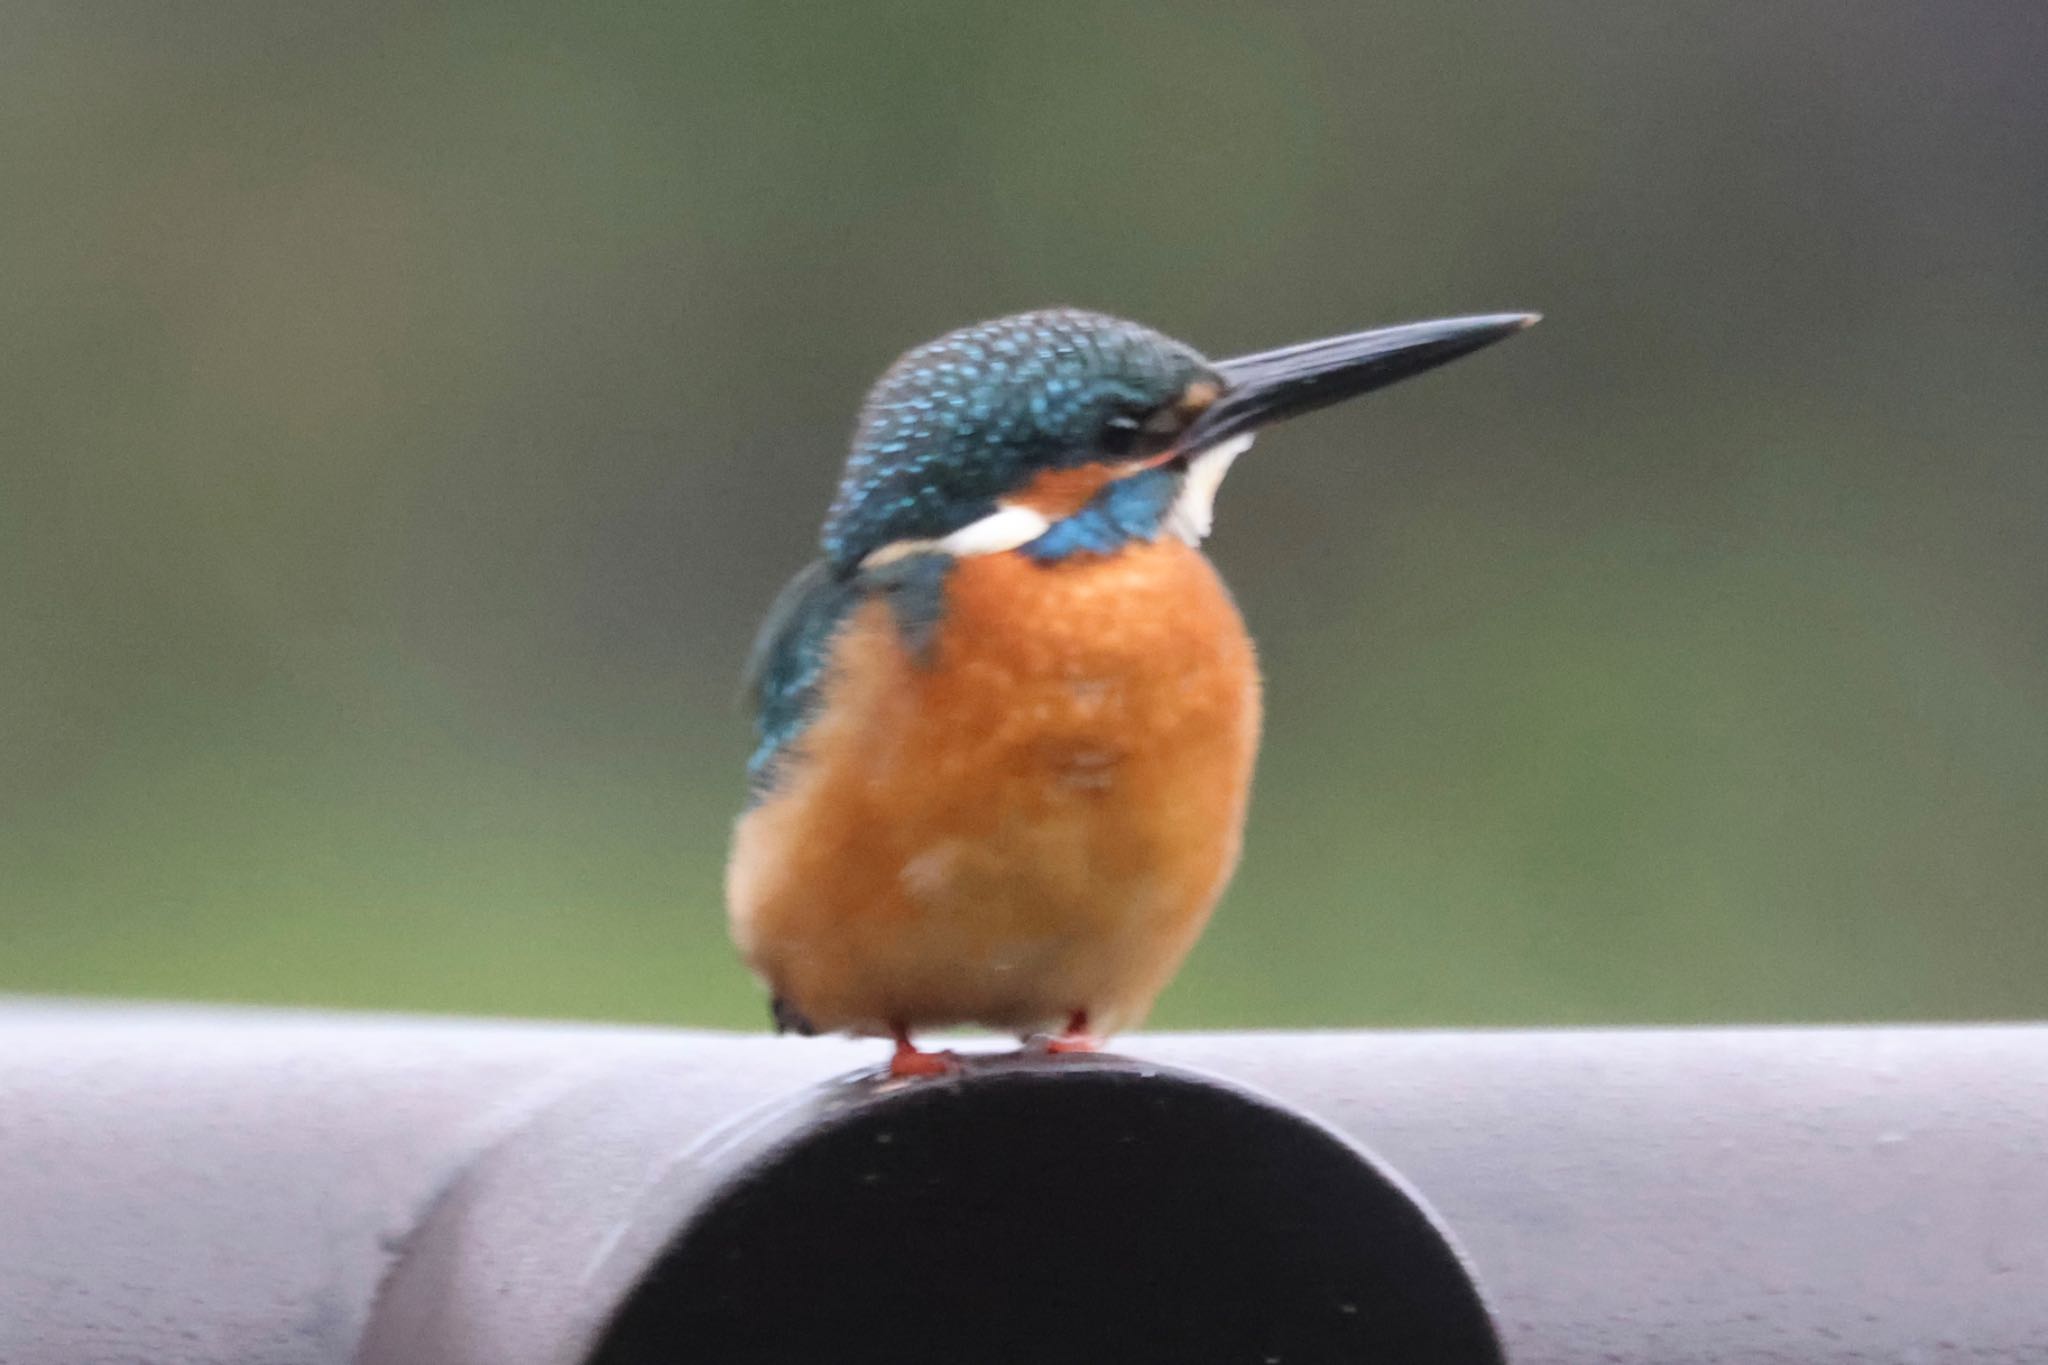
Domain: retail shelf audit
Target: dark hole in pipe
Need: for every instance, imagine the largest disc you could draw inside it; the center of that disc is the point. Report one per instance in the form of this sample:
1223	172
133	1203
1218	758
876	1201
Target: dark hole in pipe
1093	1213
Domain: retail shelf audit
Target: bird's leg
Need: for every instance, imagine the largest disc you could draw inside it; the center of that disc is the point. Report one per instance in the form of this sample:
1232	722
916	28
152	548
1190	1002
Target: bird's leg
909	1061
1075	1037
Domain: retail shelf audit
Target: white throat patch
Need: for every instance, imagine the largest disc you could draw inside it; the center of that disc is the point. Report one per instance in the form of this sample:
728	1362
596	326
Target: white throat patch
1194	511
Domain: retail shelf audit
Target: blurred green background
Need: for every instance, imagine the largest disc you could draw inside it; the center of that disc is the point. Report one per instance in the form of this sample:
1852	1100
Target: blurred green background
408	411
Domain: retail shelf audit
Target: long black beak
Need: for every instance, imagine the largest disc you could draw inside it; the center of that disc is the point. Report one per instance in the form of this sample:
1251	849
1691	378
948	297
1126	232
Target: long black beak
1274	385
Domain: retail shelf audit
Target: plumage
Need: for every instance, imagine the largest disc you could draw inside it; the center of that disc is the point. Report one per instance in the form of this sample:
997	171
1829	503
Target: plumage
1006	724
787	664
1035	821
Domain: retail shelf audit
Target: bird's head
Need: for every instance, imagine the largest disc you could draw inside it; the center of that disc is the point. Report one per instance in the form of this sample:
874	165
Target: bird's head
1065	431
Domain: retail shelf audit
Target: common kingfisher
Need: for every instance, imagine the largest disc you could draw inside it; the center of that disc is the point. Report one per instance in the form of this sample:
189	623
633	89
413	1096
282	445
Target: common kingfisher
1007	722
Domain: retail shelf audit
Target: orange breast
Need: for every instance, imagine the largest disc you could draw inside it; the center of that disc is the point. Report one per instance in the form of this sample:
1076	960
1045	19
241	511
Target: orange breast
1035	820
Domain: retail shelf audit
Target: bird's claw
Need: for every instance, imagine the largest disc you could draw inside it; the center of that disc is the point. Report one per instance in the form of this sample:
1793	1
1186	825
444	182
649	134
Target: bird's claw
909	1062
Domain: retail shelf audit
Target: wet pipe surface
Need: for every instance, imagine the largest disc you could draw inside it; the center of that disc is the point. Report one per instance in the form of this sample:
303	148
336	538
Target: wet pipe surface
1071	1209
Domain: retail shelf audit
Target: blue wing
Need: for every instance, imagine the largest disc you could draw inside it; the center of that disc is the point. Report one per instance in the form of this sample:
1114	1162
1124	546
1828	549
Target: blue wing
787	664
785	673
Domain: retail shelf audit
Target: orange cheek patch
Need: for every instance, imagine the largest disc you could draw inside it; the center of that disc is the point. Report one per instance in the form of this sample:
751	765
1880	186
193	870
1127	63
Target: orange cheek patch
1062	492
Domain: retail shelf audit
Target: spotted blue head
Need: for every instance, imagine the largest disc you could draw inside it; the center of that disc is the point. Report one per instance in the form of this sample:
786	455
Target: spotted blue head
956	435
961	422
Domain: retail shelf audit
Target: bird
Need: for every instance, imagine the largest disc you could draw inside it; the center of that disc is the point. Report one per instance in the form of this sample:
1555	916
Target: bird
1006	721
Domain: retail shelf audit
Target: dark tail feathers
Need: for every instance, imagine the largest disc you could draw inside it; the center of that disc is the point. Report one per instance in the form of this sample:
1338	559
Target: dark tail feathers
787	1020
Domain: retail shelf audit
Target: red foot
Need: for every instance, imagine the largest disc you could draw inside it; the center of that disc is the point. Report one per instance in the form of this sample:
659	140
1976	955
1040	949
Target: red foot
909	1061
1076	1037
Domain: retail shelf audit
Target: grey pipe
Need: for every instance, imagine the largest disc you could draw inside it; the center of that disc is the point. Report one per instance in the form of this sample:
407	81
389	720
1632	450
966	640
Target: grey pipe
230	1186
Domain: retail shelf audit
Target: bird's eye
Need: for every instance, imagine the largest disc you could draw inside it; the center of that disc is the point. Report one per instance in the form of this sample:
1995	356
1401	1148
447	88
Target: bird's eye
1120	435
